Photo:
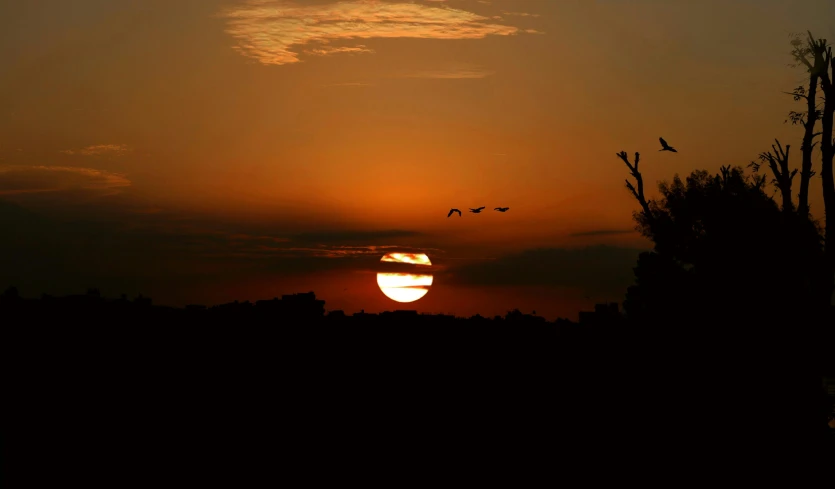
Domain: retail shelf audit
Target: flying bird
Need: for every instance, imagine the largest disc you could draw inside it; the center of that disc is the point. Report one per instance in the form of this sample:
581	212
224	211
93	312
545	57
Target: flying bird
666	147
476	211
454	210
501	209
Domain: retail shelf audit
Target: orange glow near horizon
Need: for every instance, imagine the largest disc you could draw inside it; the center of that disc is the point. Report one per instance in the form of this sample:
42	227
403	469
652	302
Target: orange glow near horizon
405	287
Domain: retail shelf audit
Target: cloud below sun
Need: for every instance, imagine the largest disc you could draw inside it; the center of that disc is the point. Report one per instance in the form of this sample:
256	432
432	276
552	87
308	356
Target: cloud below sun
273	31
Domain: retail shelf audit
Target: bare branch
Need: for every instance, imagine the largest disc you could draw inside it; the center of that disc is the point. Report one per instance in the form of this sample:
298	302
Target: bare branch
630	187
639	192
778	163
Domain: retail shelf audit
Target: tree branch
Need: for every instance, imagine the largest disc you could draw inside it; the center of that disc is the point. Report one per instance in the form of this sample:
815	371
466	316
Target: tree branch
797	96
639	192
778	163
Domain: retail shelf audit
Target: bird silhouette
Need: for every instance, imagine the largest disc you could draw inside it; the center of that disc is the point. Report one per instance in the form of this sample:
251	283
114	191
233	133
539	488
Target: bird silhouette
476	211
666	147
454	210
501	209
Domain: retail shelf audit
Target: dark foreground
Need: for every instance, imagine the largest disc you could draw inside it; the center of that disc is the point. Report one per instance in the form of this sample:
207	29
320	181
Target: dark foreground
133	398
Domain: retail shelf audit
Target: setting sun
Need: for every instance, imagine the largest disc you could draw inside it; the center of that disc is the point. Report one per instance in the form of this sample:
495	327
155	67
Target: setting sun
405	287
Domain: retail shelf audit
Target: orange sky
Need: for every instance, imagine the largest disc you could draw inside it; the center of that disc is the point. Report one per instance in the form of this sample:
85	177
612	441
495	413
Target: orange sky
205	151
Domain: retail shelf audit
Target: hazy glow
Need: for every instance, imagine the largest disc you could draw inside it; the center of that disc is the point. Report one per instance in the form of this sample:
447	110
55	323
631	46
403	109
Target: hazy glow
405	287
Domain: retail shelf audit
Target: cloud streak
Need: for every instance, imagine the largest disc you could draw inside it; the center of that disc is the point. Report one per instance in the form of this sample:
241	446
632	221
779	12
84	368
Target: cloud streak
462	73
595	269
272	31
520	14
328	50
21	179
99	149
348	84
355	237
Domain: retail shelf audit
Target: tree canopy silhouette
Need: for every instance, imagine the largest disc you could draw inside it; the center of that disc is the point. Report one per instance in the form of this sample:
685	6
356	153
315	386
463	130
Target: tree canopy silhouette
721	236
723	248
741	284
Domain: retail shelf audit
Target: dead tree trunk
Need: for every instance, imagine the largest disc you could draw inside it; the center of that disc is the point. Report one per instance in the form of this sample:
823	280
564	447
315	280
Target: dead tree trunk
815	49
827	154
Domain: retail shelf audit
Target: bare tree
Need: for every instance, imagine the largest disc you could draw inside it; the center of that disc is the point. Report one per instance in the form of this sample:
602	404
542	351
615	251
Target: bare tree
827	154
810	54
816	56
778	162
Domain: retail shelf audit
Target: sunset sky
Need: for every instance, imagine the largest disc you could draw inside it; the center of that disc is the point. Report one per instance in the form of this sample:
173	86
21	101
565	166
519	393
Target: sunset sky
203	151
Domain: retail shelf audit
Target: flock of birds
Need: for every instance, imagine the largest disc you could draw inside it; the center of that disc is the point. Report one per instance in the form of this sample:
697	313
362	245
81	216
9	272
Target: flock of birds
664	147
477	210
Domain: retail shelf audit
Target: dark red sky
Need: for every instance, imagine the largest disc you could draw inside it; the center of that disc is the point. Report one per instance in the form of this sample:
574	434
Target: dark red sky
202	151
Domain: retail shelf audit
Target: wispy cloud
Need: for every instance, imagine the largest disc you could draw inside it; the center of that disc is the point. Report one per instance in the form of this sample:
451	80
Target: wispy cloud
449	74
520	14
21	179
595	269
99	149
353	236
349	84
333	245
327	50
271	31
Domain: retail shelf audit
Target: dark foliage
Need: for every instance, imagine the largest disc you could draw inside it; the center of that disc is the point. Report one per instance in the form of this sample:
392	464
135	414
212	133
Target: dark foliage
724	249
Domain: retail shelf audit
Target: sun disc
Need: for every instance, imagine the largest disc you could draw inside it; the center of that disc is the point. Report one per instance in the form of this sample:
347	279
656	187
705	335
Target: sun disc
405	287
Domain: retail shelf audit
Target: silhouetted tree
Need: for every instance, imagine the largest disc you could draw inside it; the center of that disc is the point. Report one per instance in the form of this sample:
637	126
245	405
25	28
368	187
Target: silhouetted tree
815	55
514	315
778	163
722	236
719	236
727	300
810	54
736	276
